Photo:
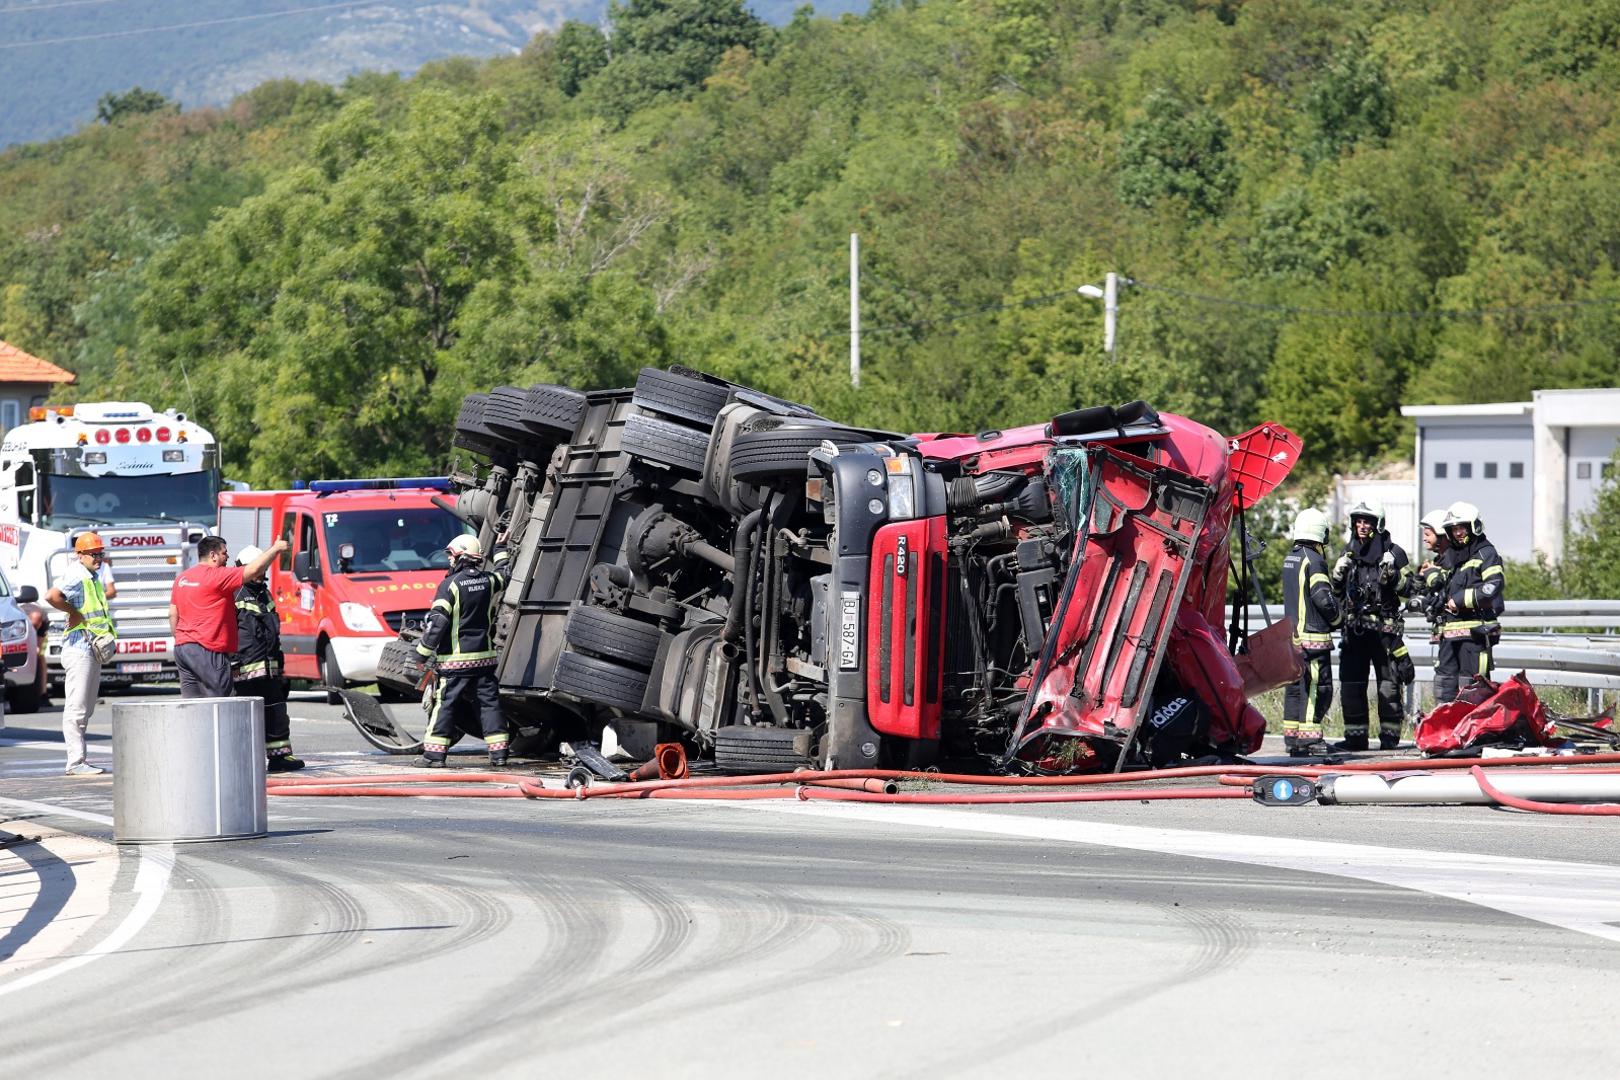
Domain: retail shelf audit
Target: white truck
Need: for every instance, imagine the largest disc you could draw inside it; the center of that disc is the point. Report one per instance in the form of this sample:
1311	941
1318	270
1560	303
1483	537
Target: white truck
146	481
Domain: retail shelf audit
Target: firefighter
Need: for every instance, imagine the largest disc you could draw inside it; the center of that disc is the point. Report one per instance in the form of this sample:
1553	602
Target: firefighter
1429	583
257	664
458	640
1312	607
1374	576
1474	601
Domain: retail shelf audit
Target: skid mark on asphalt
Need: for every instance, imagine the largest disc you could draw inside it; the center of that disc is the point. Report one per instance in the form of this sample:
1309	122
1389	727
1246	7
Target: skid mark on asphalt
1583	897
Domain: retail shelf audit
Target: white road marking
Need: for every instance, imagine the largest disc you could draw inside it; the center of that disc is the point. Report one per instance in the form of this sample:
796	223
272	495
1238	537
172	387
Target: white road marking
151	882
1583	897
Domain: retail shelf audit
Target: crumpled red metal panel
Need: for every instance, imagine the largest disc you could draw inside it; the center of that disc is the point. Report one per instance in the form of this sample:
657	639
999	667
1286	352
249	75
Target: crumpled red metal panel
1487	712
1260	459
1199	659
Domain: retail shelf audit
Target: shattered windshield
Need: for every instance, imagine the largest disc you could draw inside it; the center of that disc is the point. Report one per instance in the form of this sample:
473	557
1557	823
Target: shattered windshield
412	538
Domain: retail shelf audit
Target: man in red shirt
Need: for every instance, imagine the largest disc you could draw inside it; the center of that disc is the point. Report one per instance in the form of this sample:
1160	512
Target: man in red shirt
202	616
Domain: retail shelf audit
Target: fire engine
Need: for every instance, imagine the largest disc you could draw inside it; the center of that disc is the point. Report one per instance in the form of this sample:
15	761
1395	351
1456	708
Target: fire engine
366	557
146	481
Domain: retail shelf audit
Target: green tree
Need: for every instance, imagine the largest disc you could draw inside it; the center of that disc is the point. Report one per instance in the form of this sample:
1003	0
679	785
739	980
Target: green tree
133	102
1176	151
580	51
1348	103
666	48
1591	566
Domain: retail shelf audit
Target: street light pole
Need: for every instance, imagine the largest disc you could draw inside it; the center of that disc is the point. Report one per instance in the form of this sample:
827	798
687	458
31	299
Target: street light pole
855	310
1109	295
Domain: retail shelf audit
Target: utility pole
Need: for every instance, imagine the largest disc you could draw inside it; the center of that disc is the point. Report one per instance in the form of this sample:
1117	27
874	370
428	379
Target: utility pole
1109	295
855	310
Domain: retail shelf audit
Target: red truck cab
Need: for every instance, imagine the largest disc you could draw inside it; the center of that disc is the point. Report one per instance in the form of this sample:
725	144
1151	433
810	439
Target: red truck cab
366	558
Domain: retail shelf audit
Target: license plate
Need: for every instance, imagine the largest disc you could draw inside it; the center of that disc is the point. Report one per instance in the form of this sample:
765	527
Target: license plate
140	667
849	631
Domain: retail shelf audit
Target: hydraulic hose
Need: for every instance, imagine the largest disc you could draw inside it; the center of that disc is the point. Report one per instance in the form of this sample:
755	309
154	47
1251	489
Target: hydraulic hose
808	793
1581	809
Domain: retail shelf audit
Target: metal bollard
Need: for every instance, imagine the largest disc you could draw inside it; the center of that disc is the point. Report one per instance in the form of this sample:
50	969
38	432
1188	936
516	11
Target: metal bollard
188	771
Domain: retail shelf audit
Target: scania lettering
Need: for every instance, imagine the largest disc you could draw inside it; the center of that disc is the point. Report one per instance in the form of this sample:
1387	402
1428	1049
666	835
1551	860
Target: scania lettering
146	481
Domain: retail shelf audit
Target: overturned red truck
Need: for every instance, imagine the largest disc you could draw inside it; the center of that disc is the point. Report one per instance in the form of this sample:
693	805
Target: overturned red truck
693	559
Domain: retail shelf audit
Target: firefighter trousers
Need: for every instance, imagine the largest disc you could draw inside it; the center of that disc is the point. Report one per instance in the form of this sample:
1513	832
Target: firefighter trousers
1307	699
472	702
1458	660
1363	653
277	728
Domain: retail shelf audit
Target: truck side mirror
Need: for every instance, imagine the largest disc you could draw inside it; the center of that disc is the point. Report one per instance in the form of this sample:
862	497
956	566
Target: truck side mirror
305	568
28	595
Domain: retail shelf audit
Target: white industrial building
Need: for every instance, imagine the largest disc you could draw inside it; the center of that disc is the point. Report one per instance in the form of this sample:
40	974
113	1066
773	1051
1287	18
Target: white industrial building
1532	467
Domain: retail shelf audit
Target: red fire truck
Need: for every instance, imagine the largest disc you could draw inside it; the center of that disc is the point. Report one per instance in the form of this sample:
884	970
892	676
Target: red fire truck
366	558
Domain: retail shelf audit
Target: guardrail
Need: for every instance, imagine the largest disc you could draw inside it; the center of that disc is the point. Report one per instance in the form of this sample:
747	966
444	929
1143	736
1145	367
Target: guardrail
1539	637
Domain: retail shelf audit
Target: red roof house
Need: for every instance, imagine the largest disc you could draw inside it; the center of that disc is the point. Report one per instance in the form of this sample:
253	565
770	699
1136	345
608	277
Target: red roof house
25	381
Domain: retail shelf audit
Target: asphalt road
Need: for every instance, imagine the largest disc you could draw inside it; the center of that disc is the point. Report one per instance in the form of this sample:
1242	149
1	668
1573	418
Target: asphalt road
421	938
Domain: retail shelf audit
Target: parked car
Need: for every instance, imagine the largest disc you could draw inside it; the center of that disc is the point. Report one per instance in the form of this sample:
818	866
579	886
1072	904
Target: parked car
694	559
19	646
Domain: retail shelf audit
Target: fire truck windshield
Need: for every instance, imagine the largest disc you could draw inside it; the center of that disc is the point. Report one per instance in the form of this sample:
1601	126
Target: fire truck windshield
117	500
411	538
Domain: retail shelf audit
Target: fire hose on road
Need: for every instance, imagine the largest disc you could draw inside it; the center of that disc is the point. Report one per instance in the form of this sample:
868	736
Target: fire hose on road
1576	788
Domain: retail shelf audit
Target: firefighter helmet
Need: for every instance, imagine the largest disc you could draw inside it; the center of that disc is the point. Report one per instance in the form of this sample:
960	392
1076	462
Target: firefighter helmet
248	554
465	546
1434	519
1464	513
88	543
1369	508
1311	525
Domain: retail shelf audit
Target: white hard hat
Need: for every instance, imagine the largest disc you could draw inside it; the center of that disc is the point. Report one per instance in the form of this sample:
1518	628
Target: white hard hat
248	554
1311	525
466	546
1434	519
1464	513
1369	508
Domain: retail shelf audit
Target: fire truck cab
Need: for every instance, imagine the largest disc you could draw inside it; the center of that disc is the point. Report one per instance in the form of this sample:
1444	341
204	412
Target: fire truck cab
366	558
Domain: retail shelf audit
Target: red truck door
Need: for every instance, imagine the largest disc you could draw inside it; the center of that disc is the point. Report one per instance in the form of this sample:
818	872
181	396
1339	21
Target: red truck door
295	595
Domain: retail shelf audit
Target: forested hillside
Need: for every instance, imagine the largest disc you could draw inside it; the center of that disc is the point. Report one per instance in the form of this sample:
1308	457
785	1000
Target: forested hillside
1327	209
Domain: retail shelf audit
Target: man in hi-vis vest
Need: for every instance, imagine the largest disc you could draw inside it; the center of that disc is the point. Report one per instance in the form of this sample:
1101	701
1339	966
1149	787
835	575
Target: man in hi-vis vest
89	643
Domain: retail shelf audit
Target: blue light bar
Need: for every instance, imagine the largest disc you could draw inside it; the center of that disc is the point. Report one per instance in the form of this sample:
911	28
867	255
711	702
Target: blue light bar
392	483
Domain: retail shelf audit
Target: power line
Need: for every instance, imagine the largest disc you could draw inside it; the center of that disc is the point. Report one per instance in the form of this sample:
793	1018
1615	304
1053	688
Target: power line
1362	313
987	309
188	25
23	9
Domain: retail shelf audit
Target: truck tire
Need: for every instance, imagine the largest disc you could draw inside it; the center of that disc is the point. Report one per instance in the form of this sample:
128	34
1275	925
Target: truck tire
665	443
471	434
761	457
742	749
612	636
503	416
601	681
331	674
552	412
685	397
23	699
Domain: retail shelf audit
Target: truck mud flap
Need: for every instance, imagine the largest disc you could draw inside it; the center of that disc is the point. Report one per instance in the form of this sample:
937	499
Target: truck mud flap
387	727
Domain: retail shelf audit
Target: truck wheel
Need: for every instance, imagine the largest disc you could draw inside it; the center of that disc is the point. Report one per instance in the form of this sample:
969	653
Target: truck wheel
503	417
685	397
613	637
760	457
23	699
552	412
471	434
601	681
665	443
331	675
